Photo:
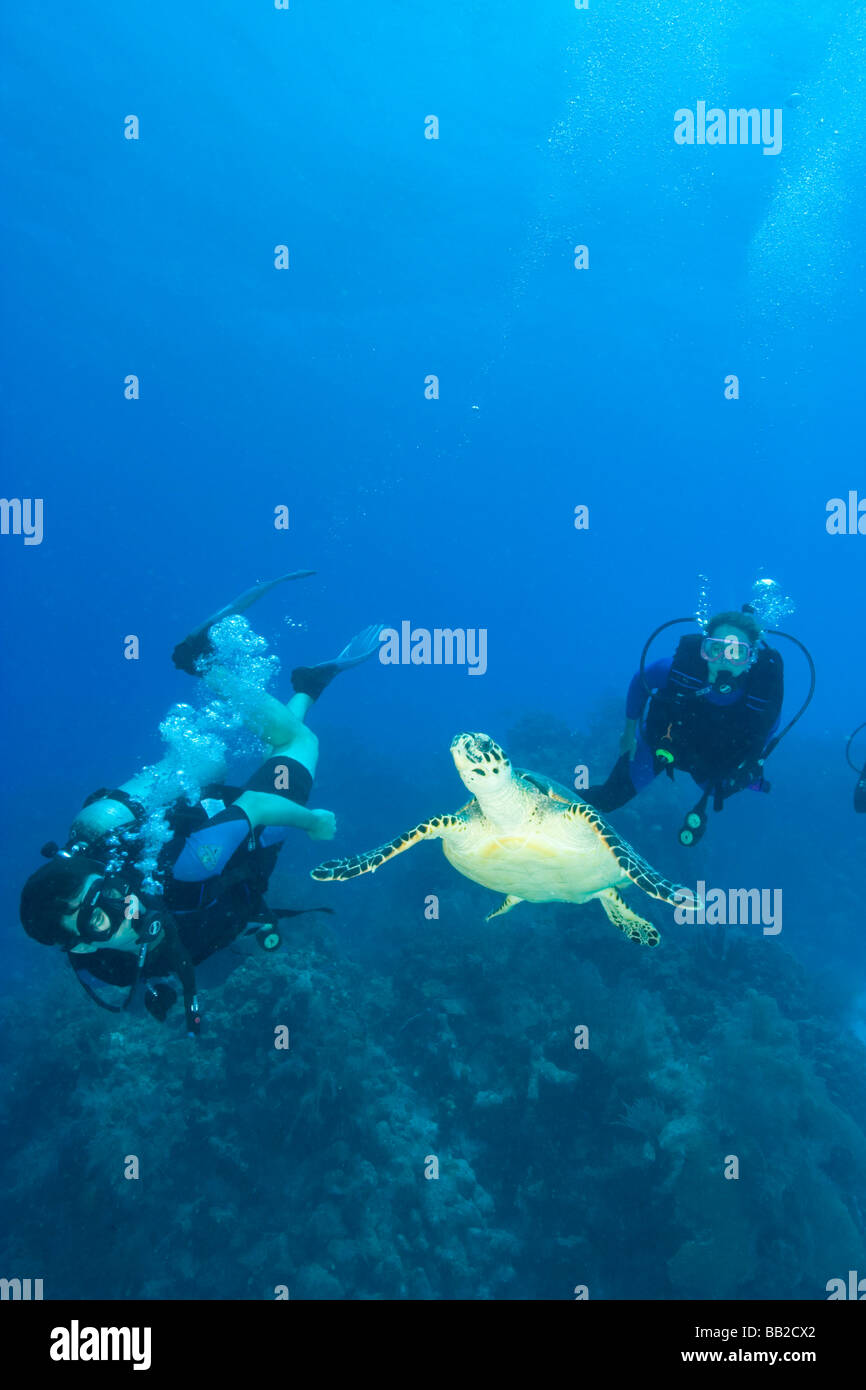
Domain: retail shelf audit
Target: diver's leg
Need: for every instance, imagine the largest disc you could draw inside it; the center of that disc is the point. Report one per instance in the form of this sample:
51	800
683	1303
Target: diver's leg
280	725
263	714
628	777
644	768
312	680
616	791
275	796
277	793
277	723
299	742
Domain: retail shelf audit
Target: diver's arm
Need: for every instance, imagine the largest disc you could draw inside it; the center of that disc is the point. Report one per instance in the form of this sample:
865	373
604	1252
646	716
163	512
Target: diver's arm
628	740
263	808
655	677
206	851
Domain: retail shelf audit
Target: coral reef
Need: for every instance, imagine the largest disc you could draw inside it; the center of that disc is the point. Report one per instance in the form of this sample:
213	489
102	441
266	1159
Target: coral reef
434	1130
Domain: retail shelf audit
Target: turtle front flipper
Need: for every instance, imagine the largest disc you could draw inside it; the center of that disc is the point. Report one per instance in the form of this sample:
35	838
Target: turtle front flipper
636	928
633	865
505	906
357	864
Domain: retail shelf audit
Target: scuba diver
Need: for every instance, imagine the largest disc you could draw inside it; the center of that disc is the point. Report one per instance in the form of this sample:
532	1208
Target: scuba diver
860	789
91	899
714	708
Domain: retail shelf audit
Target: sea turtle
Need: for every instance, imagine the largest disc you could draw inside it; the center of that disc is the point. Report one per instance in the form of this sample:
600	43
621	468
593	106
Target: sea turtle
528	838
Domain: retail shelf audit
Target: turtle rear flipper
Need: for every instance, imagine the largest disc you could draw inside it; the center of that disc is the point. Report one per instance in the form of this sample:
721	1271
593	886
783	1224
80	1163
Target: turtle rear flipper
357	864
506	905
636	928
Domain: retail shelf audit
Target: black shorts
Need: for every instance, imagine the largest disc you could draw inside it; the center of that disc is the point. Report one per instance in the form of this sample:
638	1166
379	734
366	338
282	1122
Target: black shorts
282	776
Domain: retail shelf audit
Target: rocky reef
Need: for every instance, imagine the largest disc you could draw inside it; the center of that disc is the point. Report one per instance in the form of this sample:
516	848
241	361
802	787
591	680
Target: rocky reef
477	1111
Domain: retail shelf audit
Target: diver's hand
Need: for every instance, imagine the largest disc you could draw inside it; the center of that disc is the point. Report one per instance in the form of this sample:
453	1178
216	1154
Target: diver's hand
628	744
744	777
324	825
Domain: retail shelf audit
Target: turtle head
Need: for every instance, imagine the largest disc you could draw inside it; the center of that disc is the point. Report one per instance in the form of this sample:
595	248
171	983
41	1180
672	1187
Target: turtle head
482	765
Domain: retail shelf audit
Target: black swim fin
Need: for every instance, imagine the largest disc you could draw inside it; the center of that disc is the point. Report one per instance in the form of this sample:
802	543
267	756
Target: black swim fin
312	680
197	644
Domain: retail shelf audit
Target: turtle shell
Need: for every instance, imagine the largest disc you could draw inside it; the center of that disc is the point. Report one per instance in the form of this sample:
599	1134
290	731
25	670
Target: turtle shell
555	790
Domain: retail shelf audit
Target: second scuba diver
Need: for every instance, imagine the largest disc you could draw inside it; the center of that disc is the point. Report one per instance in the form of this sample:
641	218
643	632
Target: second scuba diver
89	899
714	708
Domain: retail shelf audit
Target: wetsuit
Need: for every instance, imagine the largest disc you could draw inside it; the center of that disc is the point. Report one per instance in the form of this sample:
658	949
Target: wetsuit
691	726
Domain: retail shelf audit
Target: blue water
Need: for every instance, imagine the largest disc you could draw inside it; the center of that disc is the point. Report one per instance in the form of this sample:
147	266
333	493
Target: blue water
305	388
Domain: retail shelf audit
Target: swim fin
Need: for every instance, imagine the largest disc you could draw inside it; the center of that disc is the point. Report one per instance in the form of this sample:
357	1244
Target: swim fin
312	680
197	644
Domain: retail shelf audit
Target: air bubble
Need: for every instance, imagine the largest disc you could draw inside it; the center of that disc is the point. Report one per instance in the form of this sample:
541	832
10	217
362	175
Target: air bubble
199	739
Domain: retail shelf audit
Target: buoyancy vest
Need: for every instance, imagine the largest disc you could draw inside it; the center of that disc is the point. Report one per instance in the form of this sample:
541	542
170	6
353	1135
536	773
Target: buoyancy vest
710	741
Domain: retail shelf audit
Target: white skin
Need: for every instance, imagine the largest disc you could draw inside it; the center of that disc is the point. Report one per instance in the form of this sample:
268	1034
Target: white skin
282	727
628	741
